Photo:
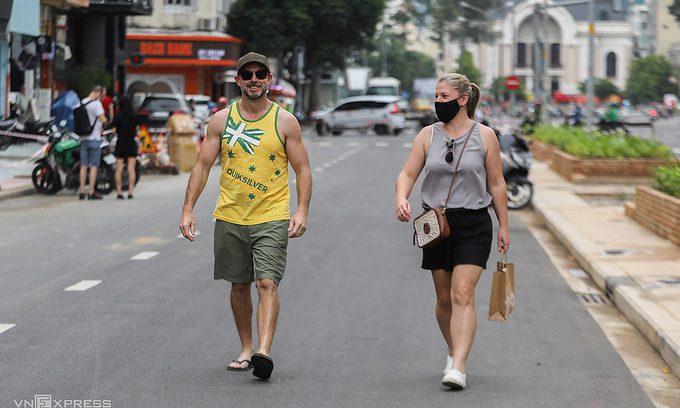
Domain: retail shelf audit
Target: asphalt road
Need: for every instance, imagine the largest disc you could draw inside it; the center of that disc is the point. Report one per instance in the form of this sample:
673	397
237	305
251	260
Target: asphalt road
357	327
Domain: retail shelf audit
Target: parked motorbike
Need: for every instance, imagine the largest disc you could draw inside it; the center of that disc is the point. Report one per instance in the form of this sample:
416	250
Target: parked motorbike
59	166
516	159
30	129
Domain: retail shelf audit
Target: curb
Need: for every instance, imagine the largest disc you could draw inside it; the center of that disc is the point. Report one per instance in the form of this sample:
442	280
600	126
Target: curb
617	286
16	192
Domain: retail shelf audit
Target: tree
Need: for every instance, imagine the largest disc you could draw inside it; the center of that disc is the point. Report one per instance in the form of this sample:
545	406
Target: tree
328	30
453	22
602	89
406	65
649	79
467	67
674	9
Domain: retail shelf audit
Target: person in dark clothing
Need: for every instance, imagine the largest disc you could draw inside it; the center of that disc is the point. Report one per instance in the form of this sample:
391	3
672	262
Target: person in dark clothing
125	123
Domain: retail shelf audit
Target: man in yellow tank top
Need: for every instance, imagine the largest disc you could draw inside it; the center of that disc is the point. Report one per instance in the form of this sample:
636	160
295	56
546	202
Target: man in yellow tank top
255	140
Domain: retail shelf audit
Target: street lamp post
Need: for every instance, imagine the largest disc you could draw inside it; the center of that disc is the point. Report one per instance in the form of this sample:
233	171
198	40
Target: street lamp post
591	68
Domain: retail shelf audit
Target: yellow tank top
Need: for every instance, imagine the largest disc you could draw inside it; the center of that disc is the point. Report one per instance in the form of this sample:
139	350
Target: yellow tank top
254	179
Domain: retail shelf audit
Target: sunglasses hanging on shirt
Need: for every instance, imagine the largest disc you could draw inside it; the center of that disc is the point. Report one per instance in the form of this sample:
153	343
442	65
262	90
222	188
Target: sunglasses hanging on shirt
449	154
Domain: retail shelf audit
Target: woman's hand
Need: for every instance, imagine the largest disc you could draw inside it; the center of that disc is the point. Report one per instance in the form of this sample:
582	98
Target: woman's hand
503	239
403	210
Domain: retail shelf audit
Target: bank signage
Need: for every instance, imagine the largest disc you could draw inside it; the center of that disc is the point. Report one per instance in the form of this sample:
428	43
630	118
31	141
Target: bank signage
183	50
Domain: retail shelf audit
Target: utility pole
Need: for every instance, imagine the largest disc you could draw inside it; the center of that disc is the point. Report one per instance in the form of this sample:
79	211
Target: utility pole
591	67
538	66
383	48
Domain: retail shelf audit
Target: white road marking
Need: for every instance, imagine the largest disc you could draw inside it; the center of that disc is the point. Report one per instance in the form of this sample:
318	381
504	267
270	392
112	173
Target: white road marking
83	285
146	255
5	326
318	169
324	144
381	144
327	165
407	145
352	144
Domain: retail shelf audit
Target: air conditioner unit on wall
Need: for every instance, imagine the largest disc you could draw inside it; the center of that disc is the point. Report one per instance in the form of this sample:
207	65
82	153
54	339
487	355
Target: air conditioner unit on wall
206	24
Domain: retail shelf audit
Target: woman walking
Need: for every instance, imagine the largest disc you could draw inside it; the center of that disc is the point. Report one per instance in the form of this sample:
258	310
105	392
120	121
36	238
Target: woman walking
457	263
125	123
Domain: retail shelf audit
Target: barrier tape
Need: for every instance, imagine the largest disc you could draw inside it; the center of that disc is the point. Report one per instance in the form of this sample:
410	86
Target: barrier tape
39	138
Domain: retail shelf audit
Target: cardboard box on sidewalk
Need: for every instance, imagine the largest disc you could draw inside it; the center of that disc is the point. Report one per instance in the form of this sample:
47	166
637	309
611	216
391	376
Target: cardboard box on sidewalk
182	148
182	151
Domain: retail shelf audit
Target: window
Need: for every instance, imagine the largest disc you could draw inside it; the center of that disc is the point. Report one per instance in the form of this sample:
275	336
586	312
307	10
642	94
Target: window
186	3
611	65
554	85
179	5
555	56
521	55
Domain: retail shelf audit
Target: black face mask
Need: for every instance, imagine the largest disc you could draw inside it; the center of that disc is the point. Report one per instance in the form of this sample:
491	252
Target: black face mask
446	110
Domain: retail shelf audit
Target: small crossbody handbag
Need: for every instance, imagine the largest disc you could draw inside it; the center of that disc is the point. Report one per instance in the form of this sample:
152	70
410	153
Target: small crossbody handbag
431	227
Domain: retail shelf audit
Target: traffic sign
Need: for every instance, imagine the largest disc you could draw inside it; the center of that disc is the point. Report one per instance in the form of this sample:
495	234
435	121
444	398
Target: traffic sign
512	83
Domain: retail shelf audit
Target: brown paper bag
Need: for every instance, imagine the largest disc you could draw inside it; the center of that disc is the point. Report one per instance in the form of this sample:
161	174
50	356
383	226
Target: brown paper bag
502	300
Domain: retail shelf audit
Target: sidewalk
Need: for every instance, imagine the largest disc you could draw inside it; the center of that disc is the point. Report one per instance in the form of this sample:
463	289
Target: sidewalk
638	270
15	187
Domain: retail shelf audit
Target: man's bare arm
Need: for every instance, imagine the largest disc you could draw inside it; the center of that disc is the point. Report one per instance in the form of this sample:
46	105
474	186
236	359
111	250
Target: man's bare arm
210	148
299	161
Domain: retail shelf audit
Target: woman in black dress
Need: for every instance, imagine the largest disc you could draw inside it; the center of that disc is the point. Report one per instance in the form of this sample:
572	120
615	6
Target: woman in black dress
125	123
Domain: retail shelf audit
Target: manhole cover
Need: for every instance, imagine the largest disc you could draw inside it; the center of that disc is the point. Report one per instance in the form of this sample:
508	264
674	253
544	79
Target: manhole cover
594	299
616	252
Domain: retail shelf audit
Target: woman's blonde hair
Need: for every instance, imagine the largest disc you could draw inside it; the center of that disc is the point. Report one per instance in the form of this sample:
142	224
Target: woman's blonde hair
462	84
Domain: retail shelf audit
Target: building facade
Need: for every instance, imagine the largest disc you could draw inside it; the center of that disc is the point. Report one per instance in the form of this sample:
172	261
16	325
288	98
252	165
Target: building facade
182	48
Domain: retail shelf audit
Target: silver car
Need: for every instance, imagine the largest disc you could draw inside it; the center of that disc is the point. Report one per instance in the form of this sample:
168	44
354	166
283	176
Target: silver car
380	113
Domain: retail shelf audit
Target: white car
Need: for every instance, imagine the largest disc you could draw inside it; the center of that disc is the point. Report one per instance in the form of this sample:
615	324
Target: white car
380	113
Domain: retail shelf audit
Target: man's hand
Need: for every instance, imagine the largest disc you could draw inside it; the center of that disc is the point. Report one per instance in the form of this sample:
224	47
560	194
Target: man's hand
297	225
188	225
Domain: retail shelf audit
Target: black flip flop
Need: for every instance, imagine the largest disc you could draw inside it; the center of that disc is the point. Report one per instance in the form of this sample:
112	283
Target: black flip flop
246	368
263	366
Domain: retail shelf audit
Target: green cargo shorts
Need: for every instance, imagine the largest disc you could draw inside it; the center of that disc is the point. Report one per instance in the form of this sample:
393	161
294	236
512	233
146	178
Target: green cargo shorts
245	253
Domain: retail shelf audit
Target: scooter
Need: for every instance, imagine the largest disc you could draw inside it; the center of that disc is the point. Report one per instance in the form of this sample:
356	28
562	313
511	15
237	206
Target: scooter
516	160
29	129
59	166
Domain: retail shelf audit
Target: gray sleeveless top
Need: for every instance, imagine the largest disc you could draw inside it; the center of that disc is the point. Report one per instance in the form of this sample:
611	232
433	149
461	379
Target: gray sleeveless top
469	190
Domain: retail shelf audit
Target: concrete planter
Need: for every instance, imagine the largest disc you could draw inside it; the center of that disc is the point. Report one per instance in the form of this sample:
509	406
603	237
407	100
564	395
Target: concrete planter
587	170
657	211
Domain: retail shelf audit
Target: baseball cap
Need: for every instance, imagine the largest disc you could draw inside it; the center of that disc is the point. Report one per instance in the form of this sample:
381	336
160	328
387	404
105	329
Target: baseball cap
252	57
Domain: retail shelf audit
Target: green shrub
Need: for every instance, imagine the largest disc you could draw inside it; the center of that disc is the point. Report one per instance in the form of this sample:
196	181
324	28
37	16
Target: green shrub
668	179
593	144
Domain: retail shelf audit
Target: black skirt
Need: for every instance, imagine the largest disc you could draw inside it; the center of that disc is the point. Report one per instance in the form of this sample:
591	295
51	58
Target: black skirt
468	244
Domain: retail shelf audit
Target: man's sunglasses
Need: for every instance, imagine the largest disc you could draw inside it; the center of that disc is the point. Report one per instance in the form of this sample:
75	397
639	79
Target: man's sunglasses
248	75
449	154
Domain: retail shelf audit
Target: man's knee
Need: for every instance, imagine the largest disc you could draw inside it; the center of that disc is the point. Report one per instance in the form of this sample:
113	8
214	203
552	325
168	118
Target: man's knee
266	286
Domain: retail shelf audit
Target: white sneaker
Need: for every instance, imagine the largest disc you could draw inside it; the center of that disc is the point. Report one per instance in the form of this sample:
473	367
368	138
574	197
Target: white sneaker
454	379
449	363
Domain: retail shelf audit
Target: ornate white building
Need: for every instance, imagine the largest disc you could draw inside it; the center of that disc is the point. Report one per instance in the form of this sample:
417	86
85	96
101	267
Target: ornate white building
563	30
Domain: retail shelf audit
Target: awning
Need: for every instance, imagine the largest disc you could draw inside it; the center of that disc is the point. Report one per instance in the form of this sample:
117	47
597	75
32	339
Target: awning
66	3
25	18
182	49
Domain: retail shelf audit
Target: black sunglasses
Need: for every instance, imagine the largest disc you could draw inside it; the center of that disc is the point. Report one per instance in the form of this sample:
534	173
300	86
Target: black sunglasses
259	74
449	154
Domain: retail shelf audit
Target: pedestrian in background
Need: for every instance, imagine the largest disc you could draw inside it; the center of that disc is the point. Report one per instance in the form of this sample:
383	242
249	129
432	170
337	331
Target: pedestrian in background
457	263
125	124
90	146
107	103
256	140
